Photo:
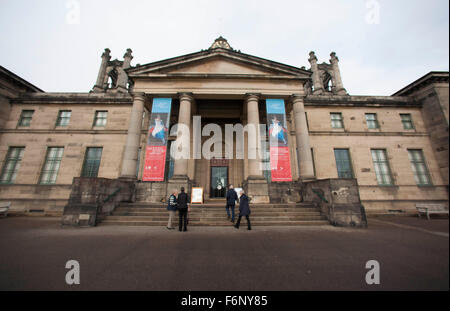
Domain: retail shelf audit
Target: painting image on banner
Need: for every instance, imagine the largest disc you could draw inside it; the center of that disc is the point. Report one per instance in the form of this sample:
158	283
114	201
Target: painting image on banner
280	164
156	150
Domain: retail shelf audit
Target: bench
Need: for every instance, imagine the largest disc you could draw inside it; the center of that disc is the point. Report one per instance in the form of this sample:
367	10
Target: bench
429	209
4	207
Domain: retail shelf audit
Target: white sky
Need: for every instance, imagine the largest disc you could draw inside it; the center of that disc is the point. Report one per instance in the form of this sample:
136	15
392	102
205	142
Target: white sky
39	43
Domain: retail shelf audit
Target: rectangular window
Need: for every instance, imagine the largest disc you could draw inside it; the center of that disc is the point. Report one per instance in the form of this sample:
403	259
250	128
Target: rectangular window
420	170
91	162
100	118
51	165
170	161
11	165
63	118
382	170
371	120
407	121
314	162
265	160
336	120
343	163
25	118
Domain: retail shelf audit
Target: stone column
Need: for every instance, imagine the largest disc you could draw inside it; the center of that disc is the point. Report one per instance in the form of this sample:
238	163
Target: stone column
184	117
254	169
98	87
130	155
180	176
317	83
302	138
256	185
339	87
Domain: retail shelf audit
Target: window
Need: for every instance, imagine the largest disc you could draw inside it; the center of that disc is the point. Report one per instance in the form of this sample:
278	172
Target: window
343	163
25	118
11	165
372	122
138	164
265	160
407	121
51	165
63	118
91	162
170	161
382	169
421	174
313	161
336	120
100	118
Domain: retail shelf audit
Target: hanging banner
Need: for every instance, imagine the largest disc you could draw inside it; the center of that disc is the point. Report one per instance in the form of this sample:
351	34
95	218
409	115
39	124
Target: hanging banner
155	153
280	163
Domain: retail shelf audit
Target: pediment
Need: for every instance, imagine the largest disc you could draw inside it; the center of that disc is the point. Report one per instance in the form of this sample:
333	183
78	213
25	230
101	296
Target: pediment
218	62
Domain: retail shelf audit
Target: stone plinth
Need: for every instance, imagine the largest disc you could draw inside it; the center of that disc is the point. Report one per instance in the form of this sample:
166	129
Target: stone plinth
257	189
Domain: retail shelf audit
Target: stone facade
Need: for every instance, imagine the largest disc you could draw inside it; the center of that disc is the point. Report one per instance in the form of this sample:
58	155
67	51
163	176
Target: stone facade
223	85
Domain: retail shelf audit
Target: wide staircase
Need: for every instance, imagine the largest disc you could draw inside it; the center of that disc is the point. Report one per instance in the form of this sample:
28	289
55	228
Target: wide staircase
213	213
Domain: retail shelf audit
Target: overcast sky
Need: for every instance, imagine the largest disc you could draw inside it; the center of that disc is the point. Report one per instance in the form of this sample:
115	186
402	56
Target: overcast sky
47	43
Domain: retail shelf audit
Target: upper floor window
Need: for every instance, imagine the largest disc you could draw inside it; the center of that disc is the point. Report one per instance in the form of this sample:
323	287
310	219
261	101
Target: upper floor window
420	170
91	162
25	118
336	120
371	120
343	163
382	169
51	165
11	165
407	121
100	118
63	118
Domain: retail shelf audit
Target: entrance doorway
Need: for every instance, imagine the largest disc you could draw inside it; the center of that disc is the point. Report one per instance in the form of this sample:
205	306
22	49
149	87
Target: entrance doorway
219	181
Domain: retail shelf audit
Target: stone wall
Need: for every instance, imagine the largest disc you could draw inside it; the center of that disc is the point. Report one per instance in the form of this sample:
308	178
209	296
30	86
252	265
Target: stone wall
91	199
338	200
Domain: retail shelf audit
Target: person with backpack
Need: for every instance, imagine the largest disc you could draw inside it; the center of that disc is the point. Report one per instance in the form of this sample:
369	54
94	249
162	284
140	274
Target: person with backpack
172	208
231	198
244	210
183	206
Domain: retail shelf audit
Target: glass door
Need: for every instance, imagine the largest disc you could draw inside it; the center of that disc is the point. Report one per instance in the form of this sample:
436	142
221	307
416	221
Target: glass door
219	181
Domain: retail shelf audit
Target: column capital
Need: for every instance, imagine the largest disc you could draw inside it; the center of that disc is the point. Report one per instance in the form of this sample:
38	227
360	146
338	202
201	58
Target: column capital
297	98
186	95
138	96
252	96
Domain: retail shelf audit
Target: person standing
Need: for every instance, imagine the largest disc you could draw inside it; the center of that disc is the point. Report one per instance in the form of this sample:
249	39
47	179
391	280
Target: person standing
231	198
183	205
244	210
172	208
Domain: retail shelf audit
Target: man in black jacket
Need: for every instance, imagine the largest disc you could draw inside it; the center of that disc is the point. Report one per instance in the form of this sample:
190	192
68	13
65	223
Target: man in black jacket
183	205
231	202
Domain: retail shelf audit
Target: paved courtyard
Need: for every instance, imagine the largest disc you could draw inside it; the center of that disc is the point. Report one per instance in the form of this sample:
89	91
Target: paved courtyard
413	255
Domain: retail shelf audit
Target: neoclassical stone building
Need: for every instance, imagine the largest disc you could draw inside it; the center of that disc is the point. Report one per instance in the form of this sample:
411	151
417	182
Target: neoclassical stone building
396	147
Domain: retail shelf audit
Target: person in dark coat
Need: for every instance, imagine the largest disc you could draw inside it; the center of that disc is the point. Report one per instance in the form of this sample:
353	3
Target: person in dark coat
183	201
231	202
172	208
244	210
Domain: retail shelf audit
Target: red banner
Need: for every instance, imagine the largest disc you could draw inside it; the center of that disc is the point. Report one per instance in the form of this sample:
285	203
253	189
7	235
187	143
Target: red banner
280	164
155	162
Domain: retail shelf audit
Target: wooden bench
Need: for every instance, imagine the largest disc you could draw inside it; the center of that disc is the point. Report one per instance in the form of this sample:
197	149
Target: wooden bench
4	207
428	209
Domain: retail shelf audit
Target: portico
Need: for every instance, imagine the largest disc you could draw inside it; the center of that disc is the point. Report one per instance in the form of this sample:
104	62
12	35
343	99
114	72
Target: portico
221	86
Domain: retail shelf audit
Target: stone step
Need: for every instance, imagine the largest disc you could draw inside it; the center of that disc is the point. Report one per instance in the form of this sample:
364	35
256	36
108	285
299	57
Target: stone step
221	213
219	205
217	224
218	210
213	219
